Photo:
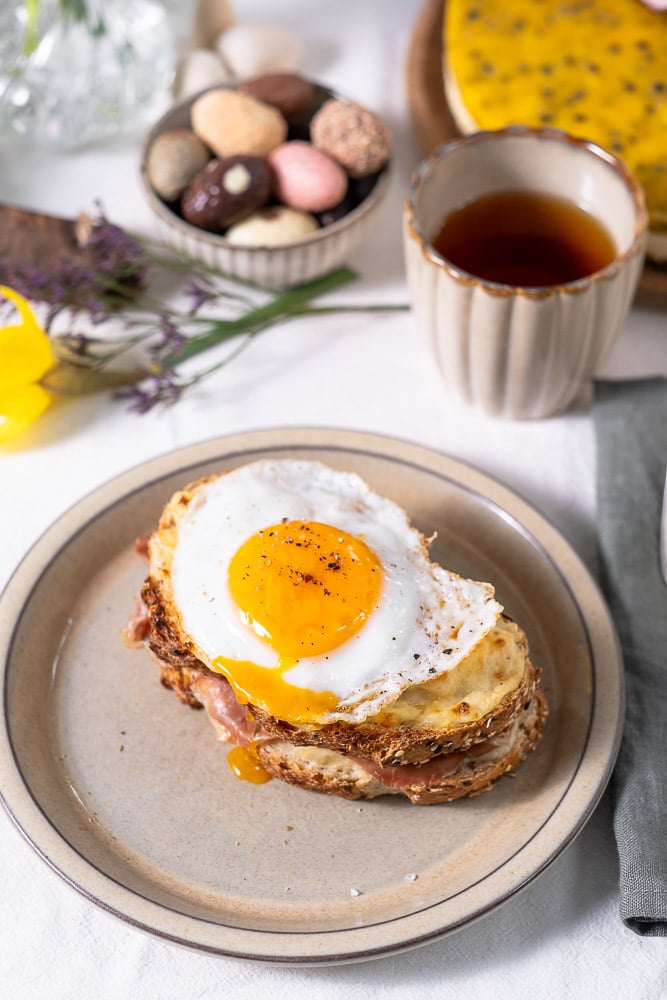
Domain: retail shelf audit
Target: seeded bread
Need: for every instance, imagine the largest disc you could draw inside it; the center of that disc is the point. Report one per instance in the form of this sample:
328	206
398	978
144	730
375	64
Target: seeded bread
322	770
476	700
410	742
452	735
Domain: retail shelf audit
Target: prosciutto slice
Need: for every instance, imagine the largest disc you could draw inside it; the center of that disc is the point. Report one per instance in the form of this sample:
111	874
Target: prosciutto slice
233	725
405	775
428	774
136	631
230	719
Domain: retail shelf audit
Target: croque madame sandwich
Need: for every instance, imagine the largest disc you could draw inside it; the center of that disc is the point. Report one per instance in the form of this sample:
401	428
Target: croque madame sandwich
302	611
595	68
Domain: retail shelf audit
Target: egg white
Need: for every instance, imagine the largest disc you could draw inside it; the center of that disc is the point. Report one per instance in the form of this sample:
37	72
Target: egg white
428	618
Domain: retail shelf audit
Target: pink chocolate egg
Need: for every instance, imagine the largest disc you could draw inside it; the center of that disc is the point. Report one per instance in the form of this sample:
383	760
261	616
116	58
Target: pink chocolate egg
306	178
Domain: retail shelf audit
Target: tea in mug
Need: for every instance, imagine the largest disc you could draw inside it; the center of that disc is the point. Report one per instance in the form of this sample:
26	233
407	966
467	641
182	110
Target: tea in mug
525	239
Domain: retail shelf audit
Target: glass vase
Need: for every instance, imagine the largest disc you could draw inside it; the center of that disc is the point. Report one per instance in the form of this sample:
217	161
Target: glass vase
76	71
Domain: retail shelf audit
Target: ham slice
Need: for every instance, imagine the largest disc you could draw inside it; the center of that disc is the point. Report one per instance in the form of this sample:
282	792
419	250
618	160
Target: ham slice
141	546
428	774
233	725
230	719
406	775
136	630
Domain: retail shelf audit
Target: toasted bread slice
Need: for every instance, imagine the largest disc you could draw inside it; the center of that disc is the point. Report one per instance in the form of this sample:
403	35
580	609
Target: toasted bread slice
444	625
443	779
475	701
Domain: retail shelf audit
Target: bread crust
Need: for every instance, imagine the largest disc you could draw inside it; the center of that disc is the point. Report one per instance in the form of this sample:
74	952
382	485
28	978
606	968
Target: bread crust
165	638
403	744
349	780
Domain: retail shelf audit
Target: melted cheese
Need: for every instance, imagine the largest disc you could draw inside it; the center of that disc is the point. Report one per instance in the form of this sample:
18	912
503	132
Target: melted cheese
468	692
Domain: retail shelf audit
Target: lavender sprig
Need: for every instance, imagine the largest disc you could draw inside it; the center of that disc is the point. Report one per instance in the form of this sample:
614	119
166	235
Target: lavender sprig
114	283
114	269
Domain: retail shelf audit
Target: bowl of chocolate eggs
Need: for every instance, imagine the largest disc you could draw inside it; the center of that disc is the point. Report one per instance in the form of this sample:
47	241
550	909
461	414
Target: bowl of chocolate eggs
274	180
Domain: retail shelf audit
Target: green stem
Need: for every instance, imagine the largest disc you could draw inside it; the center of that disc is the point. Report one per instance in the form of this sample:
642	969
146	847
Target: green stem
286	304
352	308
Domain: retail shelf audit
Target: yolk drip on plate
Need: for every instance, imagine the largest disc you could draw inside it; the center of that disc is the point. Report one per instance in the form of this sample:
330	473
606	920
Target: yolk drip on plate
245	764
305	588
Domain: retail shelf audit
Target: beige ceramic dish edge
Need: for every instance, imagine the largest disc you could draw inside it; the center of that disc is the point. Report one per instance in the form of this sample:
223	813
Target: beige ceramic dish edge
126	794
274	267
521	352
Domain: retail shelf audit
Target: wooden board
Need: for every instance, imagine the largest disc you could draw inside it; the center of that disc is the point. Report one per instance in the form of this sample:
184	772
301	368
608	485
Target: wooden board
43	241
433	124
432	121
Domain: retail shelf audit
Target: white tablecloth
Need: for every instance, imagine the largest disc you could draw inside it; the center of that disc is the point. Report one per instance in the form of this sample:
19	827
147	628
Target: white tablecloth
561	936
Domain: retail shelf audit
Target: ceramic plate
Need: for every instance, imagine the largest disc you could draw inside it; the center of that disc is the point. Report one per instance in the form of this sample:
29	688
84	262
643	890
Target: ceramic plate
127	795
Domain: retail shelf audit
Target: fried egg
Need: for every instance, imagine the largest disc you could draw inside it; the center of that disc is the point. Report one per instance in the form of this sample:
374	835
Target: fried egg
314	596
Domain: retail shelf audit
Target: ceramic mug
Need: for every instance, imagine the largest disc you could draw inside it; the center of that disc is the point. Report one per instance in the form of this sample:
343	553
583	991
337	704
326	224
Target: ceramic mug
513	350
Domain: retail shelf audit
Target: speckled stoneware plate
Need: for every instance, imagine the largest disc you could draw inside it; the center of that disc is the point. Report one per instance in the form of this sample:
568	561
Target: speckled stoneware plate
126	794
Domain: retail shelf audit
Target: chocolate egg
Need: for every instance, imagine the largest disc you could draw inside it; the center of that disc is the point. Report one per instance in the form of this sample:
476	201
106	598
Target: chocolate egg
306	178
251	49
173	159
272	226
231	123
352	135
226	191
199	69
357	191
290	93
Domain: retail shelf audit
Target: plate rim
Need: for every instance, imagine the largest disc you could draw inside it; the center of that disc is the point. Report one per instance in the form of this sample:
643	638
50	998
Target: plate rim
35	827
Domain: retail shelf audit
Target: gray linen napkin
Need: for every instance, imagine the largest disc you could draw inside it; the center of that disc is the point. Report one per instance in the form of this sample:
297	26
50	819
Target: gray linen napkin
630	419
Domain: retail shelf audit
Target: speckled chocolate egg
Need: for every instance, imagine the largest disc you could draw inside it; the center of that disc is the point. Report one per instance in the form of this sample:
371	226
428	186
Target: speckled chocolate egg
291	93
173	159
352	135
232	123
226	191
272	226
306	178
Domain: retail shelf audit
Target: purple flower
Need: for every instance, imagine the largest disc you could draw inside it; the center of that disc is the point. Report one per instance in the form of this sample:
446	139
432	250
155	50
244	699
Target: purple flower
199	291
162	387
117	255
107	270
171	340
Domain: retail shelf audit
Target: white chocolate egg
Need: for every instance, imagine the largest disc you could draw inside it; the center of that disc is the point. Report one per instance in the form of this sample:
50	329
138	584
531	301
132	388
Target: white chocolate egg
250	49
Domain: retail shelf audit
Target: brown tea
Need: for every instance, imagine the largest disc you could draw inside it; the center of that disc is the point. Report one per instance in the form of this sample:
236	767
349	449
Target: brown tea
525	239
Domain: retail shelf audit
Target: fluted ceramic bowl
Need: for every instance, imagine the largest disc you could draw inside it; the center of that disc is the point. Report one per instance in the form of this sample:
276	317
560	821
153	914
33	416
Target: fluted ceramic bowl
273	267
520	352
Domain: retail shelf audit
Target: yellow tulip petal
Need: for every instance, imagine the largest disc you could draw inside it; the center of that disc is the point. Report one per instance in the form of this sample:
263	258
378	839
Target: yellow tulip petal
25	350
19	408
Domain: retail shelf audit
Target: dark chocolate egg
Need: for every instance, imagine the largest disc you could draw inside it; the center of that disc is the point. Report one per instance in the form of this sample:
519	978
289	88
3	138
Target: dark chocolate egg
290	93
226	191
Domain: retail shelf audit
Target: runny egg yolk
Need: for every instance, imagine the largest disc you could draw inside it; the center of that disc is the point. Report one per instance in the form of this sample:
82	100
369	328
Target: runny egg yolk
245	764
304	588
